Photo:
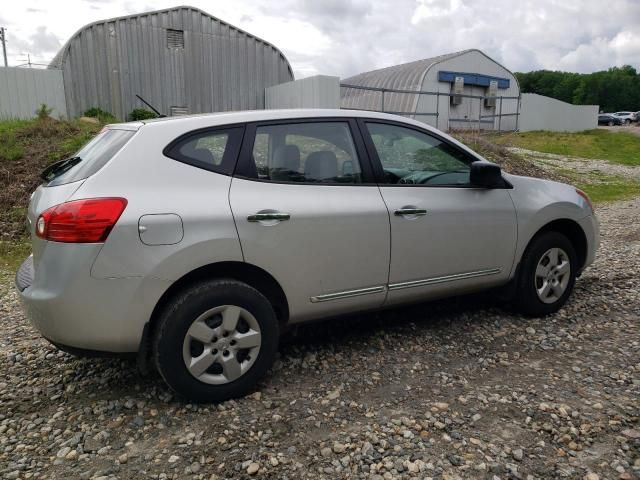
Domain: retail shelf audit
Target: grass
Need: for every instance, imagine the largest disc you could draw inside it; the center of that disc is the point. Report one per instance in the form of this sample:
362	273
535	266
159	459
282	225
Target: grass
616	147
12	254
609	192
602	187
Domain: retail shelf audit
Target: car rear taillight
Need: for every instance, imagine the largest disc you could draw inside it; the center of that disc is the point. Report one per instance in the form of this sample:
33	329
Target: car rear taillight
80	221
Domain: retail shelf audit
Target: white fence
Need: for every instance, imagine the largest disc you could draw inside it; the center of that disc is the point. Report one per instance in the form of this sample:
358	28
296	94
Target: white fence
320	91
23	90
543	113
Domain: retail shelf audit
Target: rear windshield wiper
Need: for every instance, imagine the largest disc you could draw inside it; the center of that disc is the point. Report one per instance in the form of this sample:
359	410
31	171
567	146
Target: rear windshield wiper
56	169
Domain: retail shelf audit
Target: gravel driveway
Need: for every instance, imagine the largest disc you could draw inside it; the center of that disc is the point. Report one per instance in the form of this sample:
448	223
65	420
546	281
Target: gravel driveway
457	389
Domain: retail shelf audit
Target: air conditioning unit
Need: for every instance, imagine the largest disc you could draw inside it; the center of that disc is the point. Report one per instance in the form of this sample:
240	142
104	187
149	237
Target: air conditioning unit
458	91
492	93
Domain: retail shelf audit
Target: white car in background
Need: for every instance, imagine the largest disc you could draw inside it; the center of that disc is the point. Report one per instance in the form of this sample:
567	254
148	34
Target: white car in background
627	117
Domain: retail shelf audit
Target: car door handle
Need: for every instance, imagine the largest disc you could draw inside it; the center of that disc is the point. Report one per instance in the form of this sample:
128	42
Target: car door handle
410	211
261	217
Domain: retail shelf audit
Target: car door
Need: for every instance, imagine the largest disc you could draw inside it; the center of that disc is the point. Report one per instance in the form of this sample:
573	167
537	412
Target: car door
309	213
447	237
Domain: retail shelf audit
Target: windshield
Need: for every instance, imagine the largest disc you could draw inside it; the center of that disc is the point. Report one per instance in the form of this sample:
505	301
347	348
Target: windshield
91	158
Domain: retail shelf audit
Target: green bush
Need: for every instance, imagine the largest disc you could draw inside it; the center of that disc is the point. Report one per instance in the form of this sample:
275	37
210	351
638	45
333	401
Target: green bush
10	148
43	112
101	115
141	114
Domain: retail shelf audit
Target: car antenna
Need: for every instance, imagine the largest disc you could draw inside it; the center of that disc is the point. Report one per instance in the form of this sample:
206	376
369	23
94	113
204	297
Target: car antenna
160	115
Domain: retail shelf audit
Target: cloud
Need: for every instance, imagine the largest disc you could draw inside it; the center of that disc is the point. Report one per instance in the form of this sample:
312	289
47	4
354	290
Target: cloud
39	45
345	37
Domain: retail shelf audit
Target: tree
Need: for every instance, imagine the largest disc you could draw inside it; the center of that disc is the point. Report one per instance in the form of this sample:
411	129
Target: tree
615	89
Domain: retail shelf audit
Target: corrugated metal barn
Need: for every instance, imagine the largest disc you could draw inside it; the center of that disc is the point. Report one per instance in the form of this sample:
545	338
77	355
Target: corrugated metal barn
181	60
455	85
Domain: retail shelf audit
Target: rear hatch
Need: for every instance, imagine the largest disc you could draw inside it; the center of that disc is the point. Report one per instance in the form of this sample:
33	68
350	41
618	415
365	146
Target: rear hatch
63	178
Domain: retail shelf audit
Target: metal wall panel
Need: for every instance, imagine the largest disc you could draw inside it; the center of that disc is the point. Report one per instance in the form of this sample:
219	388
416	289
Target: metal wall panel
23	90
543	113
221	67
320	91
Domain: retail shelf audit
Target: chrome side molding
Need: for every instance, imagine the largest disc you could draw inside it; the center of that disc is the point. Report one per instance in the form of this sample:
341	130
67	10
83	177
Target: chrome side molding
401	285
443	279
348	294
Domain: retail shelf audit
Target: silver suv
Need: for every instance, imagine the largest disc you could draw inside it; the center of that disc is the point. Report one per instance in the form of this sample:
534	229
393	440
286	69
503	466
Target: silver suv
194	241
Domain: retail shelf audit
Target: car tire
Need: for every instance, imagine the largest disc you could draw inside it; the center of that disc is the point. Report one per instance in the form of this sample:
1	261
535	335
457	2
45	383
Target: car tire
195	329
544	284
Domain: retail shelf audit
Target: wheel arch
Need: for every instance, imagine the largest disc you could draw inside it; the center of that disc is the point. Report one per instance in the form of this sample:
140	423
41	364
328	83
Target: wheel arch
570	229
250	274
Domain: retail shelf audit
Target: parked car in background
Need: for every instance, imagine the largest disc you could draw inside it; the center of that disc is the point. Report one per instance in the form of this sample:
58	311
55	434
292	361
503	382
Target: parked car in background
626	117
609	119
194	241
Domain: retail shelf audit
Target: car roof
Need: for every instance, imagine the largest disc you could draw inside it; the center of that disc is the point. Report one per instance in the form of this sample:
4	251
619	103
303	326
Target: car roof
175	126
204	120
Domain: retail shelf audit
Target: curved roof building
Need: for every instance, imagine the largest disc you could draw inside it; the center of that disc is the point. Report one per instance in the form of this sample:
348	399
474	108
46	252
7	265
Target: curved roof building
438	76
181	60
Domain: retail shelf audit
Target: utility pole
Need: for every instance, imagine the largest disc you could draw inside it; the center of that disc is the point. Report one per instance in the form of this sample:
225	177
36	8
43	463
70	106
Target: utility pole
3	38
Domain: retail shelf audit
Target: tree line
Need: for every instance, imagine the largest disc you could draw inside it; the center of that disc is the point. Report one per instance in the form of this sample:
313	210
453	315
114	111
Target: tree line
615	89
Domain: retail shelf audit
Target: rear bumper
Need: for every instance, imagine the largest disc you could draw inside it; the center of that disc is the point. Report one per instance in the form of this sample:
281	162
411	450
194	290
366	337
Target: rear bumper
70	308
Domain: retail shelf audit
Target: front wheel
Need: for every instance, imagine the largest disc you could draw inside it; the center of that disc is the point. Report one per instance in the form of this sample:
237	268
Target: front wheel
216	340
547	275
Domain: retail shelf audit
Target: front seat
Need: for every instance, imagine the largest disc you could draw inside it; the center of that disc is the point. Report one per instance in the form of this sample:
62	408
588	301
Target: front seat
286	163
321	166
201	154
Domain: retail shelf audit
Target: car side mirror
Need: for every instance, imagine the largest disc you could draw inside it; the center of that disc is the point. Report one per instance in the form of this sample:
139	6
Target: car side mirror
486	175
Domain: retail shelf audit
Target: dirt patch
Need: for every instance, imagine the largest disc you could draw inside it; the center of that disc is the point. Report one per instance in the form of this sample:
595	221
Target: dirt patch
633	128
585	167
509	159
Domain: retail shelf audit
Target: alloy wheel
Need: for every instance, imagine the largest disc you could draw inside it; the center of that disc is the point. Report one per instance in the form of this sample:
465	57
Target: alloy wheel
222	344
552	275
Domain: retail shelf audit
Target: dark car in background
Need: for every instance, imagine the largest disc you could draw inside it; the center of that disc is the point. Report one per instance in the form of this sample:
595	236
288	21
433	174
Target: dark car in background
608	119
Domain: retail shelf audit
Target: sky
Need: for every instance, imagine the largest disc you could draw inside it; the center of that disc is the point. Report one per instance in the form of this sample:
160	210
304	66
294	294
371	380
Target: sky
346	37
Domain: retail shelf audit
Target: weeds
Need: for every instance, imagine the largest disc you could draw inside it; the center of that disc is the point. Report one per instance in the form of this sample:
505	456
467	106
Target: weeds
102	115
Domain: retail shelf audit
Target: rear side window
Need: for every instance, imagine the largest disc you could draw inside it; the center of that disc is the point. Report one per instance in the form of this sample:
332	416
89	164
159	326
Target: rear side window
212	149
91	158
321	152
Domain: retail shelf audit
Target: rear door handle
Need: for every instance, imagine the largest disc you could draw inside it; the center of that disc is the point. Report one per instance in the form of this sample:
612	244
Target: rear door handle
261	217
410	211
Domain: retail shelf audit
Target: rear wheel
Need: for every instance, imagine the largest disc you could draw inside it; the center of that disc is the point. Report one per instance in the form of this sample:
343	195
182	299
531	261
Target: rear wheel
216	340
547	274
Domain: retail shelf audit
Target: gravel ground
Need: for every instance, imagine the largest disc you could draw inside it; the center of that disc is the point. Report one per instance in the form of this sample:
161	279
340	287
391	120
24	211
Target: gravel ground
456	389
633	128
582	166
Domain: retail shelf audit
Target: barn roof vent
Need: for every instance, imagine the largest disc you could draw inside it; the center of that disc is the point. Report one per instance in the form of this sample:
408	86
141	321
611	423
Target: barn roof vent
175	38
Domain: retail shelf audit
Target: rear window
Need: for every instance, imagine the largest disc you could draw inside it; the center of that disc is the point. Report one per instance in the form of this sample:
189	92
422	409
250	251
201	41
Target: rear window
213	149
89	159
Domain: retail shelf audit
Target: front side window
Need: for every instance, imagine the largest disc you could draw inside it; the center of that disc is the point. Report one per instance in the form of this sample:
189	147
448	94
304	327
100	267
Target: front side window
321	152
410	157
213	150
